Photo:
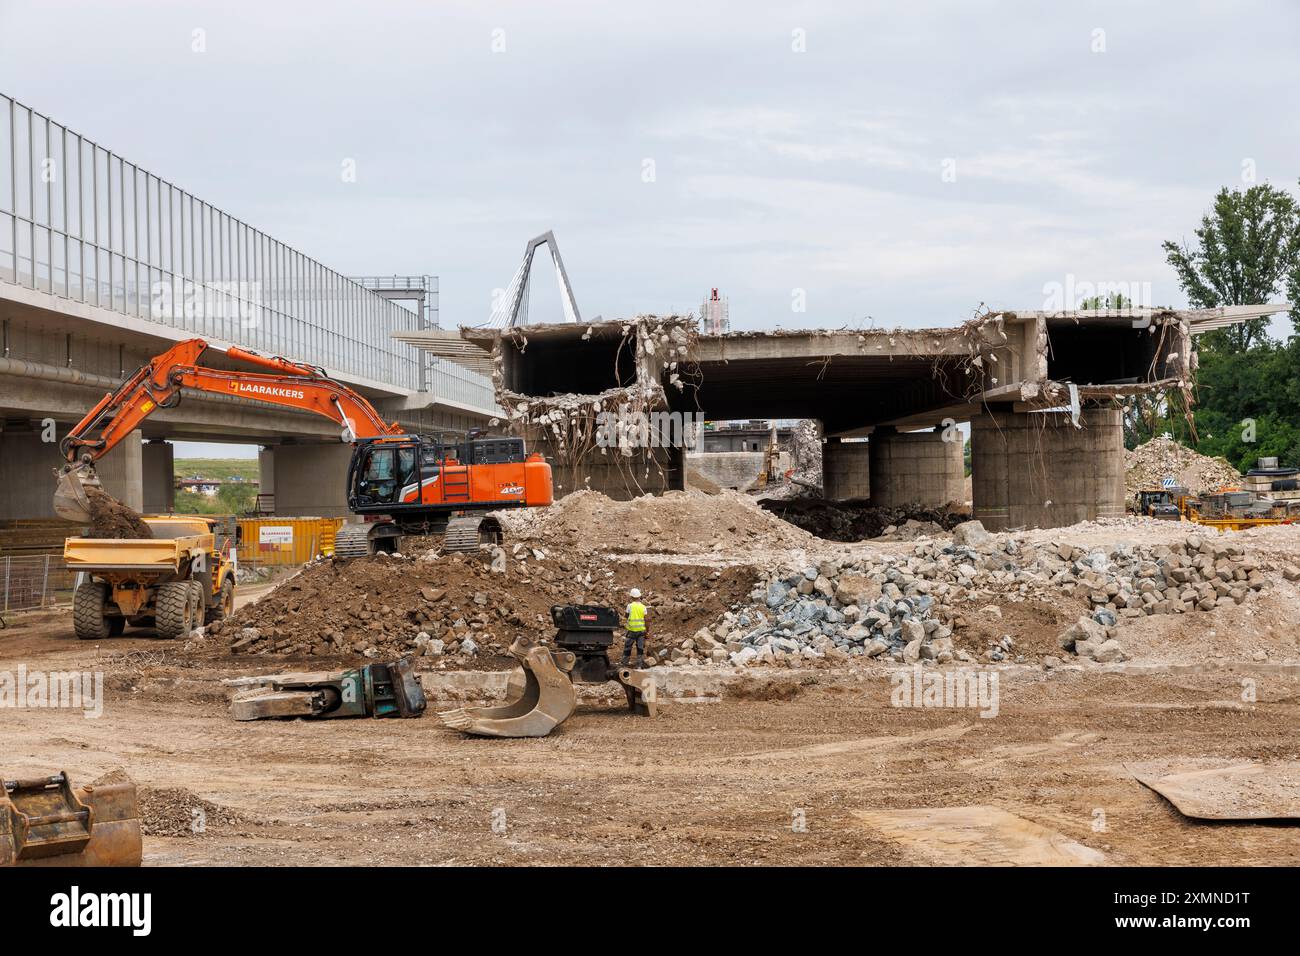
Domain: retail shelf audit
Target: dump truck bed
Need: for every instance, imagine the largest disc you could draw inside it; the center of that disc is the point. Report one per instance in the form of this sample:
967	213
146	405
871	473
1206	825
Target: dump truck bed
133	554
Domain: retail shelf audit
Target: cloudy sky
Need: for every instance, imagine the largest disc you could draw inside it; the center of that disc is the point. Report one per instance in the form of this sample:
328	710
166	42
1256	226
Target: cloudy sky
900	163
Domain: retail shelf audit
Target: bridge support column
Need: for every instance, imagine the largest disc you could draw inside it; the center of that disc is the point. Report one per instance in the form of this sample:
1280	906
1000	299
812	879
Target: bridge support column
27	464
916	468
846	473
158	466
307	480
1039	471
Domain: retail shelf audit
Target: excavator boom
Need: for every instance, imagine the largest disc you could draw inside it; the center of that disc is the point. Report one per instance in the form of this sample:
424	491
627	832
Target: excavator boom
160	384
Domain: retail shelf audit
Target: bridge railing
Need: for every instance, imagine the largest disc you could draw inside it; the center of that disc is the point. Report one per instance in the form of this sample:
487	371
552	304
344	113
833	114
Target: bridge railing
80	222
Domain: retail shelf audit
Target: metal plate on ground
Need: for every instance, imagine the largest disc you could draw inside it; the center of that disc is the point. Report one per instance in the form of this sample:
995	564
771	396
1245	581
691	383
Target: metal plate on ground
1215	790
978	836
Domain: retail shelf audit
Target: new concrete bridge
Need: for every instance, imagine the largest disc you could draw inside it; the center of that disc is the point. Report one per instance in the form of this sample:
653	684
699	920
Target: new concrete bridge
104	264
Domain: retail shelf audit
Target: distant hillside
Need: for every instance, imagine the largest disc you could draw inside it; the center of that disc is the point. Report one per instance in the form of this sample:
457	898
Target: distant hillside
219	469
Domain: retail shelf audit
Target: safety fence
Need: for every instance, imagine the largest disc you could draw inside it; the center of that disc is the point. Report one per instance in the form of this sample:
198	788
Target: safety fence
29	582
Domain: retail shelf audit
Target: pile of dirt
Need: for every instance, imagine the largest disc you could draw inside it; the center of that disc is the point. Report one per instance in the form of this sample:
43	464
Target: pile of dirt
857	521
1148	465
679	522
382	607
177	812
109	518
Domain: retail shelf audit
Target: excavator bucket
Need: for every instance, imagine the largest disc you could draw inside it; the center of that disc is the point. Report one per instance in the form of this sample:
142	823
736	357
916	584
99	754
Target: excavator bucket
548	697
70	501
45	822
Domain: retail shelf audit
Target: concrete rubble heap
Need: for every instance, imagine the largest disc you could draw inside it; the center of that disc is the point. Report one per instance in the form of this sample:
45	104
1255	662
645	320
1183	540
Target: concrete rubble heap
1148	465
905	607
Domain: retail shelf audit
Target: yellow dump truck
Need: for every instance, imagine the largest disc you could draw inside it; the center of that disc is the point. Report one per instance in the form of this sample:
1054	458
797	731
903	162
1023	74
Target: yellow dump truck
173	582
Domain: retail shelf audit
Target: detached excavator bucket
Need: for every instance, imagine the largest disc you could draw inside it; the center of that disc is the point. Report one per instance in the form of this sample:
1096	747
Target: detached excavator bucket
548	697
45	822
70	501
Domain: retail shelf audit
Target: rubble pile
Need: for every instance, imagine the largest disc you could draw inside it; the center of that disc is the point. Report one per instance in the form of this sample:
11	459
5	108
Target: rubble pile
461	606
836	521
908	607
680	522
1147	465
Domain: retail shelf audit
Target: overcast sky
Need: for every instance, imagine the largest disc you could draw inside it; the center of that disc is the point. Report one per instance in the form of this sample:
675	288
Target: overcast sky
904	162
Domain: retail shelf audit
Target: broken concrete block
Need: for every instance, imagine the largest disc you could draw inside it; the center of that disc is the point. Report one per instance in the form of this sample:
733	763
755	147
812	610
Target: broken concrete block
971	534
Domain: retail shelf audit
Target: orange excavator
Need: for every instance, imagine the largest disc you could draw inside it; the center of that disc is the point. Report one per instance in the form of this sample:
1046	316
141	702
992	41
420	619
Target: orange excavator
414	484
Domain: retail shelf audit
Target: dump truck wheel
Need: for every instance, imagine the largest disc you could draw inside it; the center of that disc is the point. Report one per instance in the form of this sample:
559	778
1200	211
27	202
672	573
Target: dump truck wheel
88	620
225	601
200	603
174	610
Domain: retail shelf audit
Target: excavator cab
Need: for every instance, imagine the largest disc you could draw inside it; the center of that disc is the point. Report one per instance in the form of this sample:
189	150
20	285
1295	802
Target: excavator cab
383	471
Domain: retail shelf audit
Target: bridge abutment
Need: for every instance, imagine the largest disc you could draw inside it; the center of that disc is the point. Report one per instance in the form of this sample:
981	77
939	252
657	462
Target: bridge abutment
1036	470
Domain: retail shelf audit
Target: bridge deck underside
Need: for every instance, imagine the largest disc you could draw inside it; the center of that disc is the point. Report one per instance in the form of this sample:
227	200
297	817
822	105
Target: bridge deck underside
844	392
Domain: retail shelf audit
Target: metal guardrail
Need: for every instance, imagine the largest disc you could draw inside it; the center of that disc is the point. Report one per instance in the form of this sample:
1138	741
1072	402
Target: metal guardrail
29	582
80	222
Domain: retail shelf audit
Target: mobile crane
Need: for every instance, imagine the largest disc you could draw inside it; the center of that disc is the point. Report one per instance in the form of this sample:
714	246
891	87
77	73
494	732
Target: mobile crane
414	484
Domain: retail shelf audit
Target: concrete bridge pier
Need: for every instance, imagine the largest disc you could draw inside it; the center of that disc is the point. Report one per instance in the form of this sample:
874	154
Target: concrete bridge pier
309	480
916	467
846	472
158	468
1036	470
28	461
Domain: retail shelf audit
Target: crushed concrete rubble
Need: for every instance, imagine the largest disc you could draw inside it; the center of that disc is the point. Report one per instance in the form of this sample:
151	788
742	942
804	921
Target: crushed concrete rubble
906	607
1147	465
679	522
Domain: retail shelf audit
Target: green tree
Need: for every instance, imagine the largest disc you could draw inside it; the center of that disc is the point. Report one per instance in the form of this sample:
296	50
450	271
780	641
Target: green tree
1247	248
1248	384
237	497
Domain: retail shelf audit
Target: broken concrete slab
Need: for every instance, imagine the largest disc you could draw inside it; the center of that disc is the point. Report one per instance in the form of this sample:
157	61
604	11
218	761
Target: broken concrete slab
978	836
1225	791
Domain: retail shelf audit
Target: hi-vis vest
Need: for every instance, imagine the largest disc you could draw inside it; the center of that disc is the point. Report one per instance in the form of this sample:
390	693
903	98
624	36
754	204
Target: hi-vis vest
636	616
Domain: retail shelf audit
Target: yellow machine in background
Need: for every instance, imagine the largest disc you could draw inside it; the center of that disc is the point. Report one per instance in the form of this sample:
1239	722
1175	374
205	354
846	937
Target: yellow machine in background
1228	509
175	581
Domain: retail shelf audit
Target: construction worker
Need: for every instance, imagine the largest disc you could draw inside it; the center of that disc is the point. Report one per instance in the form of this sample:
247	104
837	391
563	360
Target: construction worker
635	629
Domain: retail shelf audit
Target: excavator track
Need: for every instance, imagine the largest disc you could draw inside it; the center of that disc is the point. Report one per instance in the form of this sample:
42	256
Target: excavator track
467	534
352	541
462	535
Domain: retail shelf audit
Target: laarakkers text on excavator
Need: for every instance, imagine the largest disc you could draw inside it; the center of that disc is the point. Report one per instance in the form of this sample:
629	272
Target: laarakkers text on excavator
415	484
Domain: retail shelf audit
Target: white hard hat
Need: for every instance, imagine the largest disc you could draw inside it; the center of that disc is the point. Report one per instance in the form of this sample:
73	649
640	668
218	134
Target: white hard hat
635	592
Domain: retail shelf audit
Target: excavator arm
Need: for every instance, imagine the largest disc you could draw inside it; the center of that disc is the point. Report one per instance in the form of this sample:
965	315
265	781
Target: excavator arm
161	383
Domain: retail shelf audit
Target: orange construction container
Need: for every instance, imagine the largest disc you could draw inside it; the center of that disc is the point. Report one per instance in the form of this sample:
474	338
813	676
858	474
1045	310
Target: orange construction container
285	541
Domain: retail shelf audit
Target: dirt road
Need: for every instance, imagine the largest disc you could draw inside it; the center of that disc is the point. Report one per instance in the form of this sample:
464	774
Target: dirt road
745	780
